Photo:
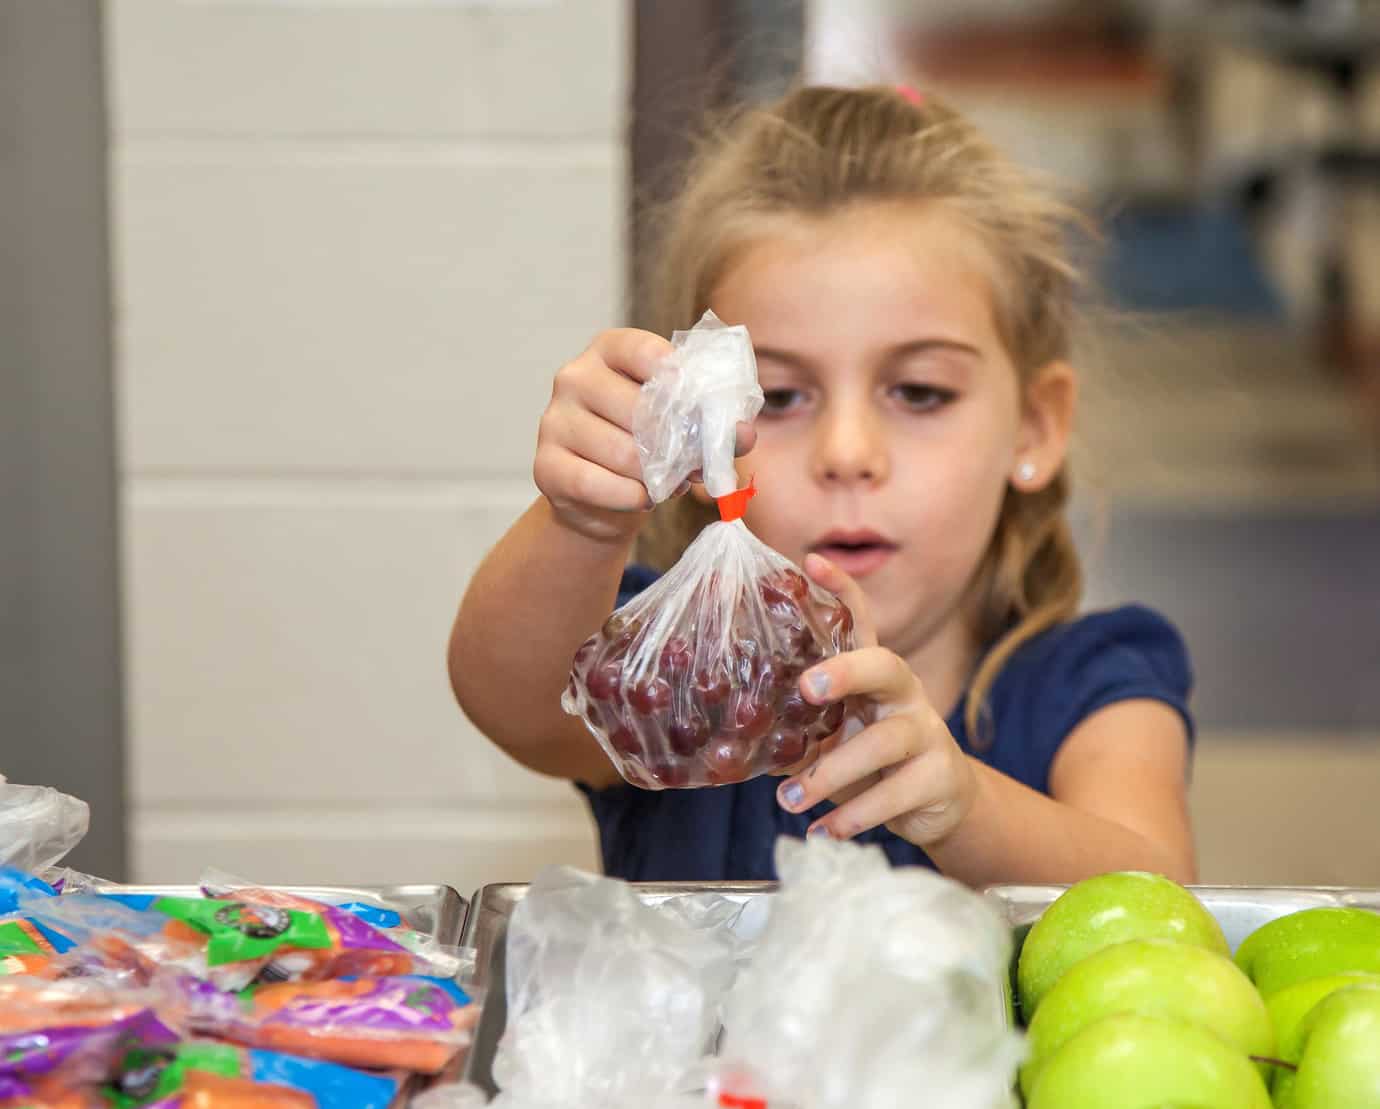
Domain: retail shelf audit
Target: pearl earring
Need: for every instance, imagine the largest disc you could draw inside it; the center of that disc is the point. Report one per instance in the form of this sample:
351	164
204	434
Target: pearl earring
1025	471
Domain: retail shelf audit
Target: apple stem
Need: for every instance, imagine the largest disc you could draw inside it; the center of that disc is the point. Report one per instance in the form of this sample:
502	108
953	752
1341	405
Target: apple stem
1274	1062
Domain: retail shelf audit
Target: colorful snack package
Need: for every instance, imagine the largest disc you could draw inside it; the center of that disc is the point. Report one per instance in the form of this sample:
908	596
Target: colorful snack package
204	1075
27	947
74	1031
404	1022
117	940
355	947
241	937
362	944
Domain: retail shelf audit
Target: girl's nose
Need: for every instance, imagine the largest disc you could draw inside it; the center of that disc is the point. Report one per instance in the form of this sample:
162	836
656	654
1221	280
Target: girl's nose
851	448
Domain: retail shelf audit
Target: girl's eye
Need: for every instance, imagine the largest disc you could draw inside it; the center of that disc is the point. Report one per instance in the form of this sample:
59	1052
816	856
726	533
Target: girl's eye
923	398
775	402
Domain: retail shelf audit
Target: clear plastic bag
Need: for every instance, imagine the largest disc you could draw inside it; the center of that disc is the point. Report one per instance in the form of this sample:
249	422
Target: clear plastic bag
610	1001
694	682
39	825
873	988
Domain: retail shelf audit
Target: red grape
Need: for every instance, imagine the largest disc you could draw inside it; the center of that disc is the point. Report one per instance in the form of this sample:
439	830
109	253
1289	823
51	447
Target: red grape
687	736
833	717
751	719
729	760
650	696
624	740
676	658
785	747
794	709
604	681
712	687
671	774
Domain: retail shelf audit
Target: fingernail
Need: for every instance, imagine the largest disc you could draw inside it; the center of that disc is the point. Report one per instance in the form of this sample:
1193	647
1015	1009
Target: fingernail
819	831
792	793
817	682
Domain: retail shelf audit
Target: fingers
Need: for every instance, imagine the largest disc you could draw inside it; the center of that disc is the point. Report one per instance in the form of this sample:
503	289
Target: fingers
630	351
918	795
566	478
825	574
609	395
884	744
594	439
875	673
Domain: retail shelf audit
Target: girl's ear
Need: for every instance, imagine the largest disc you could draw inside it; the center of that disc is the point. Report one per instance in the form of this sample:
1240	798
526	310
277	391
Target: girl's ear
1046	425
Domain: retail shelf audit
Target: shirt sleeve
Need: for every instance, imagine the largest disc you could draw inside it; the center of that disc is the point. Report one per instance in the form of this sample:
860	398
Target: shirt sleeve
1130	653
636	578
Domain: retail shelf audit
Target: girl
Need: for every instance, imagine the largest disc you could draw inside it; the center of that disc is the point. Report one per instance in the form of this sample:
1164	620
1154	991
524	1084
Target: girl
909	298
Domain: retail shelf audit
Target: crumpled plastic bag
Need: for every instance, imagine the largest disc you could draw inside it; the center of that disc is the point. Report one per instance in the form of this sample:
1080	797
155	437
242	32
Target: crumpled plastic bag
610	1000
695	682
39	825
688	413
873	988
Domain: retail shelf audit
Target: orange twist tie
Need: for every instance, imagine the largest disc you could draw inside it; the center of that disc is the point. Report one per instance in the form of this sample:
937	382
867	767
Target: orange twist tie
733	505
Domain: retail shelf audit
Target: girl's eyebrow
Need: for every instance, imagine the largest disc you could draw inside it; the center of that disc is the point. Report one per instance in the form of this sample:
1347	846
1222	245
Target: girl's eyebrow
795	361
924	346
896	353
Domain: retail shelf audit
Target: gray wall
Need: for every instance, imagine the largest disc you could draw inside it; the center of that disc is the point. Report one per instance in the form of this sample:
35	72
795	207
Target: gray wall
60	703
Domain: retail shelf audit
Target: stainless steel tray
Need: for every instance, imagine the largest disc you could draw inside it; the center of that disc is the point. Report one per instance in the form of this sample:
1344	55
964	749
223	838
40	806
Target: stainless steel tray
439	911
1239	909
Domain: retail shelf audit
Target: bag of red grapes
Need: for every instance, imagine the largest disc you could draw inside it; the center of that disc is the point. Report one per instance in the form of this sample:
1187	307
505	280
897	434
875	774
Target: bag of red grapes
695	681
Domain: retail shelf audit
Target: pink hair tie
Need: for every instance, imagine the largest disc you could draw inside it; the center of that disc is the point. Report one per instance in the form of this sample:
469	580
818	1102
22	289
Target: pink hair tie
914	95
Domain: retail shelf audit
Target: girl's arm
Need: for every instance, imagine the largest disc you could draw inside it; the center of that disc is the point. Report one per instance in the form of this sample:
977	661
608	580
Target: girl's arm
1119	802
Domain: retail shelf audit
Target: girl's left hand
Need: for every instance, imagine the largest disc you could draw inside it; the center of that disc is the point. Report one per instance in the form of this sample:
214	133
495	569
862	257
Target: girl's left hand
904	769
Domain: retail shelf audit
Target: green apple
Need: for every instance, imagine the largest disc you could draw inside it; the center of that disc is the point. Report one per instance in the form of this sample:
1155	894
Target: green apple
1340	1063
1131	1061
1314	943
1290	1005
1155	978
1101	911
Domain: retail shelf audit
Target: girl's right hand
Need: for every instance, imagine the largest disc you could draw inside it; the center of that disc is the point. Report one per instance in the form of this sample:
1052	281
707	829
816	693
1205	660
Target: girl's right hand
587	465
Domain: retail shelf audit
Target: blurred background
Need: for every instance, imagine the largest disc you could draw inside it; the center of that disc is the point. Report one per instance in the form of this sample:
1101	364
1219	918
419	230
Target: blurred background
284	283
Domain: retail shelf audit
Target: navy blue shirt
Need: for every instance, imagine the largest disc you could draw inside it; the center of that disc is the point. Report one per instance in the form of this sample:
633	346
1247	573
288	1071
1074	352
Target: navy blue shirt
1050	685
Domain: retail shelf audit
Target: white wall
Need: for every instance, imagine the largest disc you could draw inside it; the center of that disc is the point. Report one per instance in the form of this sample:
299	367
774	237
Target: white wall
353	243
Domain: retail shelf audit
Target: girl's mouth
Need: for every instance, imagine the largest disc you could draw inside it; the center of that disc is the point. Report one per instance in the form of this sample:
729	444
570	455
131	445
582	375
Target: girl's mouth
857	552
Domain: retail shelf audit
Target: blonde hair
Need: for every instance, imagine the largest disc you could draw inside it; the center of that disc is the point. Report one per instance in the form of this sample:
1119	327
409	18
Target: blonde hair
819	150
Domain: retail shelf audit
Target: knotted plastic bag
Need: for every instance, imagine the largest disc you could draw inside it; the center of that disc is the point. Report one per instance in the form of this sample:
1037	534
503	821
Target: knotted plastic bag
694	682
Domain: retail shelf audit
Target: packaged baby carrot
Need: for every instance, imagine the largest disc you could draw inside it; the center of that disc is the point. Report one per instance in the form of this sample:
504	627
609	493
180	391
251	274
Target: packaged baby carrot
404	1022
